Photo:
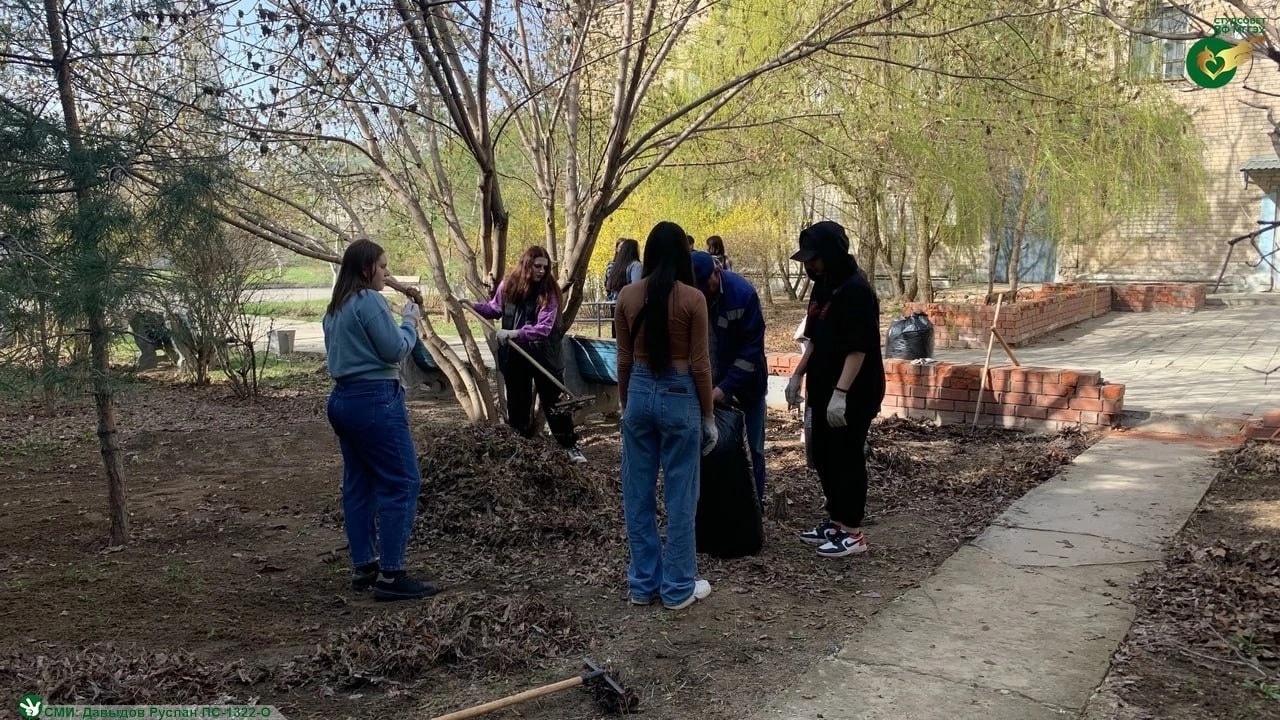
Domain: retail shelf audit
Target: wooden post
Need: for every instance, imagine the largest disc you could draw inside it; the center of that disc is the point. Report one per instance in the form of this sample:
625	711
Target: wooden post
986	365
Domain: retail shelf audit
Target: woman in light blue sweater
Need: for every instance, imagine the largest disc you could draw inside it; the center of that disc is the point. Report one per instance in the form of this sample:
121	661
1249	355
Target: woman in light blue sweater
380	479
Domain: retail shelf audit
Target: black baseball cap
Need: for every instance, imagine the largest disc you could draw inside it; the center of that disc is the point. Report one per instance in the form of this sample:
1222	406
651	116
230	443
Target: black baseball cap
822	239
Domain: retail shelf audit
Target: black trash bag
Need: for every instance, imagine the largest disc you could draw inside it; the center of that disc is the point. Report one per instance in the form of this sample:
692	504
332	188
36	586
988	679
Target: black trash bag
910	338
728	522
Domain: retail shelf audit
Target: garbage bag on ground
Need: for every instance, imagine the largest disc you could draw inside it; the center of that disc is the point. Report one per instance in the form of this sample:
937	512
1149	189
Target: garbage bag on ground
728	522
910	338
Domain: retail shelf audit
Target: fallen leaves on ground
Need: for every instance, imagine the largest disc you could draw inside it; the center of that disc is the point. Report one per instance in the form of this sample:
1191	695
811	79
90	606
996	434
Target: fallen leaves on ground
472	632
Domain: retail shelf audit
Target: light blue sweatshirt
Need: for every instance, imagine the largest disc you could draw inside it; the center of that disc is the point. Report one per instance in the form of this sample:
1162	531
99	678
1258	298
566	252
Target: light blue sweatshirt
363	342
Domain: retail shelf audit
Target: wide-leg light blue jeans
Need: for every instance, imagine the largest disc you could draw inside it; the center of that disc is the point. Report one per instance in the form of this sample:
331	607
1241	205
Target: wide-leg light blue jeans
661	428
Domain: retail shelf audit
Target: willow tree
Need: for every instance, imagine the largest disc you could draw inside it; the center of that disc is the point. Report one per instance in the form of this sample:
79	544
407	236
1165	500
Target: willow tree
989	125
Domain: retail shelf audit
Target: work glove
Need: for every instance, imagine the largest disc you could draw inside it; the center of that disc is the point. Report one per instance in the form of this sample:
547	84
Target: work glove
793	391
836	409
504	336
411	313
710	434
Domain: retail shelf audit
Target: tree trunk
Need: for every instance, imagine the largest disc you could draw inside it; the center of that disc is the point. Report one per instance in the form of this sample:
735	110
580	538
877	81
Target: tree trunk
108	435
784	269
88	241
1024	212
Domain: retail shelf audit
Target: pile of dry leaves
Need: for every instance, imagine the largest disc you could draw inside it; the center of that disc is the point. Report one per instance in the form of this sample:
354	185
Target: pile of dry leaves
474	632
913	463
1222	598
487	483
105	675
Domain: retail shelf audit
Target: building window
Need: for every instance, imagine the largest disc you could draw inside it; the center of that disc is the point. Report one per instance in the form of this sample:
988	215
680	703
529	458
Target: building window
1156	58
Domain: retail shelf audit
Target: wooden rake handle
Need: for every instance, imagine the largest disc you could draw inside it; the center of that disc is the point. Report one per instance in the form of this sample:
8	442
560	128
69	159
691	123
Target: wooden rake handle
510	700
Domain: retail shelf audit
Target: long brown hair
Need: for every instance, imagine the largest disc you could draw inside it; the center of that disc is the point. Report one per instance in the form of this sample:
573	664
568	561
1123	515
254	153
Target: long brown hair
519	283
357	267
628	252
666	262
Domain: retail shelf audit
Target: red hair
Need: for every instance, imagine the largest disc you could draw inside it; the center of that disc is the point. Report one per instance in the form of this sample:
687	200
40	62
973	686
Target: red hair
519	282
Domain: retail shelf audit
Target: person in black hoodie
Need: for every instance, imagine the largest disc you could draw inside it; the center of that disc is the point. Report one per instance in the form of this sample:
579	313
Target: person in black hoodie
843	377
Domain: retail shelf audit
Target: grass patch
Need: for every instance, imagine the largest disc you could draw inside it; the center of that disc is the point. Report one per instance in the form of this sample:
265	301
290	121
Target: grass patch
306	310
301	276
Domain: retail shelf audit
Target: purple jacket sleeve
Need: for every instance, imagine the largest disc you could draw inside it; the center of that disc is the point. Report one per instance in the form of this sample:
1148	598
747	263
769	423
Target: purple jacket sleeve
491	309
542	328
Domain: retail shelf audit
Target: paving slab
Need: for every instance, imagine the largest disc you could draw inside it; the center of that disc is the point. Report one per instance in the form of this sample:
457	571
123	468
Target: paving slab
888	693
1200	366
1022	621
1137	492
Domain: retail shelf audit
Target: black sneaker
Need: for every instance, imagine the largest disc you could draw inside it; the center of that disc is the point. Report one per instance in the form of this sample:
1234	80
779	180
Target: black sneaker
362	577
820	535
402	587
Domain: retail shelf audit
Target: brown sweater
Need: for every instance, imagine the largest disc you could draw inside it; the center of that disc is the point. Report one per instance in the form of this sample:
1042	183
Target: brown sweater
690	335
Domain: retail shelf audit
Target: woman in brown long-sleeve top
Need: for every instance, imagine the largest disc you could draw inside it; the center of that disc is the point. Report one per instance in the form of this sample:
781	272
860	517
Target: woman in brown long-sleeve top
664	385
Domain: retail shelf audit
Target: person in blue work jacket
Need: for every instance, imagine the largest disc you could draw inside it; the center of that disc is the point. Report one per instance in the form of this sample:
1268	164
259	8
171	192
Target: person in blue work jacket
738	367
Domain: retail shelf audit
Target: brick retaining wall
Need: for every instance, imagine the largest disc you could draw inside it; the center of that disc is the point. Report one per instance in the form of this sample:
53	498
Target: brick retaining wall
1158	297
965	325
1034	398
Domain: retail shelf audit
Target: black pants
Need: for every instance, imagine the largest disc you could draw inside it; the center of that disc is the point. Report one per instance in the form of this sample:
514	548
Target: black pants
840	457
521	380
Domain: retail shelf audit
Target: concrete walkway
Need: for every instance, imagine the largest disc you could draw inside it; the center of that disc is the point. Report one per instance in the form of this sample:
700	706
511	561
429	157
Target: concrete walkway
1022	621
1019	624
1192	369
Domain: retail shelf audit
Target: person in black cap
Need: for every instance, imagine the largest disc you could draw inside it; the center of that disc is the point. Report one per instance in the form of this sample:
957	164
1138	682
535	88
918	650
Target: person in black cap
738	366
844	383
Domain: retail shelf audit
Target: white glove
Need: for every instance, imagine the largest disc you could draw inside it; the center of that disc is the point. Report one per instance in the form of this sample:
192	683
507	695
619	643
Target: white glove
793	391
710	435
836	408
504	336
411	313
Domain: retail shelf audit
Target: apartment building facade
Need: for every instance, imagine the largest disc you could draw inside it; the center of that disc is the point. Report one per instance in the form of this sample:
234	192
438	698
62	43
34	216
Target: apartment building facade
1237	124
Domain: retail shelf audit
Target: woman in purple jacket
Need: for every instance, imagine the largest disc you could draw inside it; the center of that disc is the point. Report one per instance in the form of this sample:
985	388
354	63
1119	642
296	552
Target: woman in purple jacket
528	303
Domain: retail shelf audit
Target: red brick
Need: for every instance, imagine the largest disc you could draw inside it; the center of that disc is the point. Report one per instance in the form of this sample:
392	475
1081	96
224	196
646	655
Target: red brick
1063	415
1058	389
1079	403
954	394
1011	398
1092	392
1112	391
1271	418
1060	402
1114	407
1089	418
1031	411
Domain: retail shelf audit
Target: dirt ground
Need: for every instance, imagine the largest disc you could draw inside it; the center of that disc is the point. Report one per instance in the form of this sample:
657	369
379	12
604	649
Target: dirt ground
1206	639
233	587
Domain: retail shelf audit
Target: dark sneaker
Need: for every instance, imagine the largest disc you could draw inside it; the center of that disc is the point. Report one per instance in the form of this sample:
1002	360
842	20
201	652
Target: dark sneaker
363	577
821	534
642	601
576	456
402	587
843	544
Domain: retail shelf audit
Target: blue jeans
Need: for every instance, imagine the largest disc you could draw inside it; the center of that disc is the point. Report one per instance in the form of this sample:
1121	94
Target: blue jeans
380	479
754	415
661	427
